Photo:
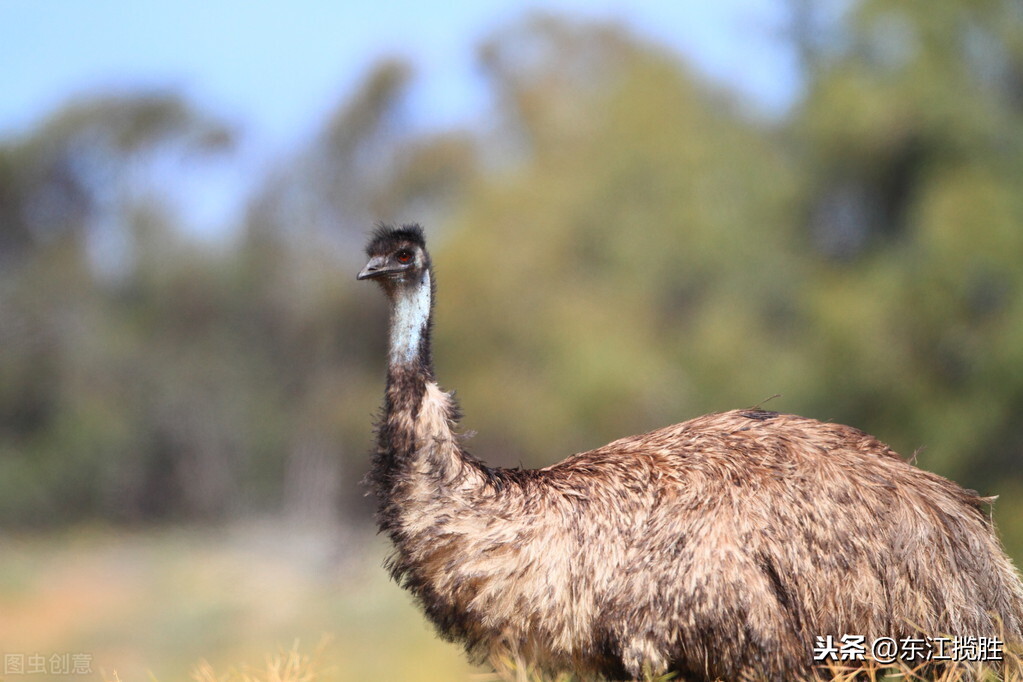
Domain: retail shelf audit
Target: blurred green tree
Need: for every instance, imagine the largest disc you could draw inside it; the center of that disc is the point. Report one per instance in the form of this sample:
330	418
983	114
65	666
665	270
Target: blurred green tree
67	436
910	140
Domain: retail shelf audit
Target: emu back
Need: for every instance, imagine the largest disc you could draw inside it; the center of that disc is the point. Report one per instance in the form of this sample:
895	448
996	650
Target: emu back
715	548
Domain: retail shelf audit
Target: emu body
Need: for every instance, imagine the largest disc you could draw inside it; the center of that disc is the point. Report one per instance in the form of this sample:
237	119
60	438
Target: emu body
716	547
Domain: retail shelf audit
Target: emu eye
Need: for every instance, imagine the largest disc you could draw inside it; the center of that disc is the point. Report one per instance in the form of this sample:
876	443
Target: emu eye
403	256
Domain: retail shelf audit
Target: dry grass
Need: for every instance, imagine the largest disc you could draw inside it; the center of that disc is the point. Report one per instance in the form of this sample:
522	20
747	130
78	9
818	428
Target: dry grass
1011	671
294	666
289	665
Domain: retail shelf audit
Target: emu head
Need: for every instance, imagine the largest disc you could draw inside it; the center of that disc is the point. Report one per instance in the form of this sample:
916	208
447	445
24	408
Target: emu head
397	257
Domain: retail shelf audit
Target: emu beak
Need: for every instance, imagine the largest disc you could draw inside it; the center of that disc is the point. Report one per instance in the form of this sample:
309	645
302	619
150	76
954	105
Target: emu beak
376	267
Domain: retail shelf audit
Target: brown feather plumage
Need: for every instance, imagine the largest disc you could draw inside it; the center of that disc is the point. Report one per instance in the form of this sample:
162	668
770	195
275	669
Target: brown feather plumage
716	548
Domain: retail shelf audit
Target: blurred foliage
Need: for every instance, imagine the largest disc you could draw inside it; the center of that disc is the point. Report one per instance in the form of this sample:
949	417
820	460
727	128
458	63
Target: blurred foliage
624	246
173	604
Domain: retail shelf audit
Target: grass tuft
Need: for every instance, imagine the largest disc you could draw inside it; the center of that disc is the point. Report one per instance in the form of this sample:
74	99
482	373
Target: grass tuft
289	665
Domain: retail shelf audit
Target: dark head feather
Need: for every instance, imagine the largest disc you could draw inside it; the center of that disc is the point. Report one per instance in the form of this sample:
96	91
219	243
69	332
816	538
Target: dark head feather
386	238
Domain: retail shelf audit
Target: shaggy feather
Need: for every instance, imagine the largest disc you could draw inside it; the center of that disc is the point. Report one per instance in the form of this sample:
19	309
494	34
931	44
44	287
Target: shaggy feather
716	548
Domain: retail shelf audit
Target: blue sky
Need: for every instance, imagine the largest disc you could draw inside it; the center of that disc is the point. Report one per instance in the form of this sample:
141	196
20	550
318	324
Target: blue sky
276	68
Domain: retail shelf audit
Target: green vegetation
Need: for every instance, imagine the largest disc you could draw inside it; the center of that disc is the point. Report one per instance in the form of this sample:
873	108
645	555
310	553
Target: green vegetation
625	246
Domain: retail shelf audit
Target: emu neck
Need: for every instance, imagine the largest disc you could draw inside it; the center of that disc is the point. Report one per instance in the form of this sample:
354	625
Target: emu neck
409	377
418	459
412	309
409	373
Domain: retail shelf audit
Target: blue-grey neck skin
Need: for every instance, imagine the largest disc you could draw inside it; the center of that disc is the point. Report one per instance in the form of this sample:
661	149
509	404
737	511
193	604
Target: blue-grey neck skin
410	321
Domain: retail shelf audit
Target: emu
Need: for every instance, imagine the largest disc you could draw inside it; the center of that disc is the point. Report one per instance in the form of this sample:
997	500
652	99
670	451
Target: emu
720	547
